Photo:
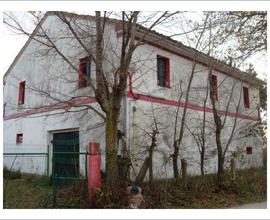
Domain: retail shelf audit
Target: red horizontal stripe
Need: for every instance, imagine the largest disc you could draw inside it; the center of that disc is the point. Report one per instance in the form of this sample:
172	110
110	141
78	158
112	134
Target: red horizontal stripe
189	106
51	108
134	96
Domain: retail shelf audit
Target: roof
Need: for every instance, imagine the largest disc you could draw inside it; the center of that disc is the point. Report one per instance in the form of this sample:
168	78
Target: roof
166	43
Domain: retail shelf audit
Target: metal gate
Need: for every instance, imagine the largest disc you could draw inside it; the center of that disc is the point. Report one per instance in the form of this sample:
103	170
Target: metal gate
66	177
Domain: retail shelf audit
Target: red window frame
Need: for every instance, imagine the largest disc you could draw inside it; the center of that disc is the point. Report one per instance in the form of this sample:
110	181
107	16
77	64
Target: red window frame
249	150
167	71
82	78
214	88
246	97
19	138
21	96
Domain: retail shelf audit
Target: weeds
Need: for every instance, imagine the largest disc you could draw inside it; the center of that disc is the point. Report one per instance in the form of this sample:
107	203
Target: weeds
8	174
199	192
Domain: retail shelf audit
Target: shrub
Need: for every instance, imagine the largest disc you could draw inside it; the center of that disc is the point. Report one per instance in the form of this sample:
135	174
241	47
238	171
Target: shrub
10	174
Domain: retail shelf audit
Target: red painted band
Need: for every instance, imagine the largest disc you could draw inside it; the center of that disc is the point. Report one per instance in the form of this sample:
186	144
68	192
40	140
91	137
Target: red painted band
130	95
51	108
189	106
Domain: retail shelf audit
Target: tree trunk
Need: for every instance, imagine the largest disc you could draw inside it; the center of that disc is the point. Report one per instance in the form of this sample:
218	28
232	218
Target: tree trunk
143	171
111	149
151	151
202	161
220	158
233	170
150	166
220	171
175	161
184	172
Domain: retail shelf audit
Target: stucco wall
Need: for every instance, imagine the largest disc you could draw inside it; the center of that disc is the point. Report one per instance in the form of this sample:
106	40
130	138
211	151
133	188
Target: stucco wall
145	81
38	132
142	124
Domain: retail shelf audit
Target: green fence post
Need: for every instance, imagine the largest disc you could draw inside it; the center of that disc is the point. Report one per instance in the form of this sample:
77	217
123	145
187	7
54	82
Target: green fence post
48	161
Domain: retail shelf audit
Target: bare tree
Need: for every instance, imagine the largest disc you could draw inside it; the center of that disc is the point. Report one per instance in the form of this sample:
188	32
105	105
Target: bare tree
107	92
179	136
199	133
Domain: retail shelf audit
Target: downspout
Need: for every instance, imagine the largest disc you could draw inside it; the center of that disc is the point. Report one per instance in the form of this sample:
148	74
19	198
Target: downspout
126	105
135	97
127	114
130	86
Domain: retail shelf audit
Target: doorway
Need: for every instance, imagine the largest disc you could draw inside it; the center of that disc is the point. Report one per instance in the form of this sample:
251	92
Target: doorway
65	161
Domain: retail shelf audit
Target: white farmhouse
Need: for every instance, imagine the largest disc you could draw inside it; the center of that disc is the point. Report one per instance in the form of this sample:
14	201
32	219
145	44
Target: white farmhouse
46	102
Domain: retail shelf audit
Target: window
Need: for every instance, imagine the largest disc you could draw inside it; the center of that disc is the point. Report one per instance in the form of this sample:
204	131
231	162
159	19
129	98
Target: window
19	138
214	88
163	71
21	93
246	97
85	72
249	150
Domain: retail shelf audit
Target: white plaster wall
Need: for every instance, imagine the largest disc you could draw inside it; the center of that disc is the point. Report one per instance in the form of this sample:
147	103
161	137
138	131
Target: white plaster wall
141	126
145	81
37	136
50	79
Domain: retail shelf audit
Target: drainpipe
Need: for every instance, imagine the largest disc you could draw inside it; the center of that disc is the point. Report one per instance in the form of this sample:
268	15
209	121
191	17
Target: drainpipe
130	86
127	113
125	128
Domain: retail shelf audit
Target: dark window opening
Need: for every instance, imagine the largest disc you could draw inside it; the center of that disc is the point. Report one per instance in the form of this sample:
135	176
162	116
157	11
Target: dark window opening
85	72
249	150
246	97
21	93
19	138
163	71
214	88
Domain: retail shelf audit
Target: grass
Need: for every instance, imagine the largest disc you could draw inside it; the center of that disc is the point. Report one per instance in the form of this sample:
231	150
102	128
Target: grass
201	193
24	191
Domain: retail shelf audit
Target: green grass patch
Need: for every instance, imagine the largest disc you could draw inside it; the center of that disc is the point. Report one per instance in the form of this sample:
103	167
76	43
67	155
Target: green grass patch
24	191
28	191
201	193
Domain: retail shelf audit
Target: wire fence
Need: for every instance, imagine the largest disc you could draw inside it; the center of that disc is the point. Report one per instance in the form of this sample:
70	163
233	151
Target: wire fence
66	167
61	175
31	159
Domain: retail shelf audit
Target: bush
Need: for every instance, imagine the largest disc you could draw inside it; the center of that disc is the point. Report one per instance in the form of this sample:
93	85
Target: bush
10	174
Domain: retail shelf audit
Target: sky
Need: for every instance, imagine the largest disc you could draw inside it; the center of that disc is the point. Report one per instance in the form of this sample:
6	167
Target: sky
12	43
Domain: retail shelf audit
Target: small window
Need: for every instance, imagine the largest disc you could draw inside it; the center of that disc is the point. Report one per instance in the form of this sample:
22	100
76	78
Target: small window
163	71
249	150
19	138
21	93
246	97
214	88
85	72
